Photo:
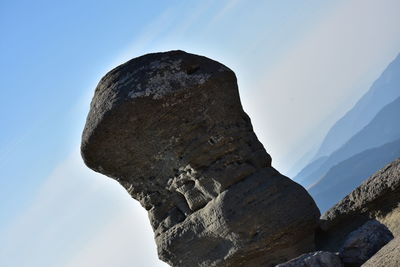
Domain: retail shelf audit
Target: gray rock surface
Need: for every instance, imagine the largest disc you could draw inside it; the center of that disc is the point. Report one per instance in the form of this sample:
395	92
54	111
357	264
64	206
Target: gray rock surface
388	256
364	242
314	259
170	128
376	198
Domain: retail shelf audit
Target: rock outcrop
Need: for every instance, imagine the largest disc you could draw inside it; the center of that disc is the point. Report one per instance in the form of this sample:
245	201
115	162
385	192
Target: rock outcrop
378	198
363	229
170	128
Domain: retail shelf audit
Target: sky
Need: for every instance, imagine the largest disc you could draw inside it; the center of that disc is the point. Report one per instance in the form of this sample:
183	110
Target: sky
300	66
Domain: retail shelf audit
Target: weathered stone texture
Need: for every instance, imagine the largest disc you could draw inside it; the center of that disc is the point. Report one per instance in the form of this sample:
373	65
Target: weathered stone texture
171	129
377	198
364	242
388	256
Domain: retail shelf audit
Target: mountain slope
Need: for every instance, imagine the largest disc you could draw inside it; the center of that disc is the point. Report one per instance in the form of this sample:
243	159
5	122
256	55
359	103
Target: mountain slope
350	173
309	169
383	91
384	128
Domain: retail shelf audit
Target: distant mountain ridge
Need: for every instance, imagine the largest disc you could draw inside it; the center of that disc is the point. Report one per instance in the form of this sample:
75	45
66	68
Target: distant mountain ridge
342	178
310	169
383	91
384	128
334	148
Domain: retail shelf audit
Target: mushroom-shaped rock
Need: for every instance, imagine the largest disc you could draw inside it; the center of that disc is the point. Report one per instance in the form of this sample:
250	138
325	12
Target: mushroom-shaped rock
170	128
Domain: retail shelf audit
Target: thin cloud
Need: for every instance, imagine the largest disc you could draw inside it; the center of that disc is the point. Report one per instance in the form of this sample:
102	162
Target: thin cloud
332	64
124	242
150	33
74	207
229	6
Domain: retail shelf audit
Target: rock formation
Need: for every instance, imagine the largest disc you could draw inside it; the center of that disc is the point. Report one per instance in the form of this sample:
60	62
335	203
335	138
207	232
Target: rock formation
378	198
363	229
170	128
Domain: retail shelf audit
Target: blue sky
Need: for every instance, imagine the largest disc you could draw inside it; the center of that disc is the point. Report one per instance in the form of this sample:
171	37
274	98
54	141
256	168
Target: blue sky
300	66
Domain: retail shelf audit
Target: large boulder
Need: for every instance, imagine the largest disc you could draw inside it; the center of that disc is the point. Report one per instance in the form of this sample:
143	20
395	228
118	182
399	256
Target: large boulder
170	128
363	243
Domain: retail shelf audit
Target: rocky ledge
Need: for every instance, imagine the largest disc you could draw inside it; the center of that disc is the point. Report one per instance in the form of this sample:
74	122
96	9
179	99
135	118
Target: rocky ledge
378	198
170	128
363	229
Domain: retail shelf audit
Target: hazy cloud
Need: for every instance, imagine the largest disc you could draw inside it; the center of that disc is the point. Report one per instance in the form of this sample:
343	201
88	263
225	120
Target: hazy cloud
319	78
79	217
